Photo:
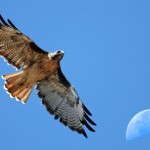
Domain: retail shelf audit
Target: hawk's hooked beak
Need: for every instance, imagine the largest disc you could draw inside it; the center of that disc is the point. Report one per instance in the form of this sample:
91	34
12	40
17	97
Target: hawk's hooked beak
58	55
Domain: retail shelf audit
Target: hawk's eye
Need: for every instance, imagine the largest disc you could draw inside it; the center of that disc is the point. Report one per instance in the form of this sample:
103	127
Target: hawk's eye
58	52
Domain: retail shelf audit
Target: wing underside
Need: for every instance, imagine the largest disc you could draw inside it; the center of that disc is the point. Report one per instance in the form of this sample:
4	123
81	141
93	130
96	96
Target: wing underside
62	101
18	49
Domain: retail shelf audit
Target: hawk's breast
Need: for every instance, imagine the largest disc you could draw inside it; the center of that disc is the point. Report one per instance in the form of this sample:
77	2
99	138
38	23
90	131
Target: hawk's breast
40	70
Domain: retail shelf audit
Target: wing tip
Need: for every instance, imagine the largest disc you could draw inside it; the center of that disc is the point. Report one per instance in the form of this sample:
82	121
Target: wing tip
84	134
1	17
89	120
11	24
3	21
84	122
86	110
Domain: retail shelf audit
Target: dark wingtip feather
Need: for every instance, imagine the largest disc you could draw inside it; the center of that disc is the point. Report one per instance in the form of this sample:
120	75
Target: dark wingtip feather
3	21
12	25
84	133
88	126
6	24
56	117
40	95
89	120
86	110
0	16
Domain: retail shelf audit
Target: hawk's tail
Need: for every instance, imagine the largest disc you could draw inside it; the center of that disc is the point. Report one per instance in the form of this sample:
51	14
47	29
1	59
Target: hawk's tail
16	87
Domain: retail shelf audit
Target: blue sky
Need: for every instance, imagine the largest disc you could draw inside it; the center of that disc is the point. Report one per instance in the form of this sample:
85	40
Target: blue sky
107	59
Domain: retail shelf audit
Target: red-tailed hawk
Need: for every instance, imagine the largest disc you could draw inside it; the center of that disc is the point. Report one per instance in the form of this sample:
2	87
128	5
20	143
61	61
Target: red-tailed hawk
43	69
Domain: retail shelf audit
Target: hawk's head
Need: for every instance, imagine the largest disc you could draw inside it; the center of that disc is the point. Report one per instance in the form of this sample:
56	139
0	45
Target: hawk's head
58	55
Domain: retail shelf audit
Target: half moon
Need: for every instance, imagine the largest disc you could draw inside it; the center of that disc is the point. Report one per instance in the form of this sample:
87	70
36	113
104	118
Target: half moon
139	125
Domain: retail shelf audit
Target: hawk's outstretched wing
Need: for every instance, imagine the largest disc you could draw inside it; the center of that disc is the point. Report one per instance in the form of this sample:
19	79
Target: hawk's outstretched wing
61	100
18	49
57	94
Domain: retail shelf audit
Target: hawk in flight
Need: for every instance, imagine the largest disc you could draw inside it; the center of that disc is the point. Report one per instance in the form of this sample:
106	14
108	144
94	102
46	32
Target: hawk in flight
43	69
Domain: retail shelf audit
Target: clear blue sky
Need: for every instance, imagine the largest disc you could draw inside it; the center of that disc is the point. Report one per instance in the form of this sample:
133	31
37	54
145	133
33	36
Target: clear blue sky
107	59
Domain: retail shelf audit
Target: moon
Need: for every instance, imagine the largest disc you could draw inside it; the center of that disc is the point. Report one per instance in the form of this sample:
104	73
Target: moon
138	126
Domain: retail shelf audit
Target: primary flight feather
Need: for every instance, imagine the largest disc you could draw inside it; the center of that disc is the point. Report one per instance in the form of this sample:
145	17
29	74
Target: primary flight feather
43	69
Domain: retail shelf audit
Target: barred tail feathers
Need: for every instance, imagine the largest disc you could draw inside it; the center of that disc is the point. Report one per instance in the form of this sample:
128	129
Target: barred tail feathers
15	86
